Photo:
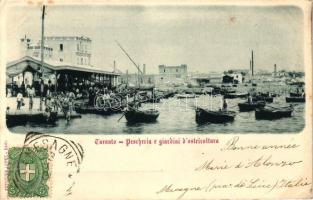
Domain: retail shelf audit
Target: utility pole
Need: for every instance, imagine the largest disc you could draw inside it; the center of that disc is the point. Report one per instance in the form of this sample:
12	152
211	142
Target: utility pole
42	55
42	36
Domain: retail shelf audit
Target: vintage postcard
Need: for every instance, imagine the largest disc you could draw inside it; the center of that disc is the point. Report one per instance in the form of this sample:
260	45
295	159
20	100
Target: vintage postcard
156	99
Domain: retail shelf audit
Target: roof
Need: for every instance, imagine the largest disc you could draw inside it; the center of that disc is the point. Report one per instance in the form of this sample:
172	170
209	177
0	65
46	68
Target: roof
67	38
57	66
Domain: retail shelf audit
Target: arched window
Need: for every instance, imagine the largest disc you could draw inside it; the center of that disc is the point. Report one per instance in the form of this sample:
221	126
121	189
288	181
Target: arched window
81	61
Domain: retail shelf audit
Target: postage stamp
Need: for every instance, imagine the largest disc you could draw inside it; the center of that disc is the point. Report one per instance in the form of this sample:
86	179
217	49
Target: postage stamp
28	172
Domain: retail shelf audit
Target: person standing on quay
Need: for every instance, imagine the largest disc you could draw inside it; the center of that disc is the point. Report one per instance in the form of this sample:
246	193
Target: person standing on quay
31	94
19	99
42	87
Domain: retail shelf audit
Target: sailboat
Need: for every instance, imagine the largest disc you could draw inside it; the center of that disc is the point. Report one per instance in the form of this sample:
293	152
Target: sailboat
132	114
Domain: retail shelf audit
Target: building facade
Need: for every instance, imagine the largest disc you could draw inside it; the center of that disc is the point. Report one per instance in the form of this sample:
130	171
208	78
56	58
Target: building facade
74	50
28	48
172	74
66	65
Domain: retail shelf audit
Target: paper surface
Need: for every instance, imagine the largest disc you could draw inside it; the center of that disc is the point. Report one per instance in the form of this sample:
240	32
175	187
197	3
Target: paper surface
100	156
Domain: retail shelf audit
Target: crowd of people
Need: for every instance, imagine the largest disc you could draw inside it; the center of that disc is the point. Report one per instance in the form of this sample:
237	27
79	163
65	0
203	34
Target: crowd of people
63	101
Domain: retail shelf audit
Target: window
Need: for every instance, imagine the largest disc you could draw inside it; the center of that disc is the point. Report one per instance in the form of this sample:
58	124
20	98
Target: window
61	47
61	59
77	47
81	61
78	61
176	70
164	70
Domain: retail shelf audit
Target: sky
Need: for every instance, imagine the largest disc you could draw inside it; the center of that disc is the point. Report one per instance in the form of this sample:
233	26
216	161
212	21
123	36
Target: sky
206	38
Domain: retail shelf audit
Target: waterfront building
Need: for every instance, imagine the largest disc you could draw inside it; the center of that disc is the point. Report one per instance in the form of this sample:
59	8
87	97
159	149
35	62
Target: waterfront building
172	74
207	79
233	78
67	49
67	65
29	48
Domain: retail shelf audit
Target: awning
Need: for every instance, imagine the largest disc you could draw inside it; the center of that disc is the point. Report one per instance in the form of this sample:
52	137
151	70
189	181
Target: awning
16	67
20	68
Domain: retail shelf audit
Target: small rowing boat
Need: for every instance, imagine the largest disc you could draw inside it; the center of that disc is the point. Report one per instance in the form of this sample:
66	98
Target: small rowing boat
298	99
246	106
205	116
263	98
271	113
137	116
21	118
183	96
235	95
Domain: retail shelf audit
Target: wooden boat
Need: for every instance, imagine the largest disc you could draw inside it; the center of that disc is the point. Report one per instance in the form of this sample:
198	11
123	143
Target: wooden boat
21	118
107	109
271	113
262	98
205	116
94	110
243	107
298	99
183	96
235	95
295	94
137	116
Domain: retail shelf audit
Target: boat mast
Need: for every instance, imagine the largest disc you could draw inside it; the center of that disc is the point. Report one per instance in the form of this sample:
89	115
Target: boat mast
252	63
140	73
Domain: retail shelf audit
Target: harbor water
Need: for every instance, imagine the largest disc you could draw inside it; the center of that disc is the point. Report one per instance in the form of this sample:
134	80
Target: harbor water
177	116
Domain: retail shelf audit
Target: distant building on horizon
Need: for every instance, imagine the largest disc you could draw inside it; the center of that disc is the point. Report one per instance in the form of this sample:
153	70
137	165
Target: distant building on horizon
172	74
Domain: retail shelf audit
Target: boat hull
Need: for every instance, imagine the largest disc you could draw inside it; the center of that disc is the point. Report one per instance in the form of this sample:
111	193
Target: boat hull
261	98
270	114
295	99
23	118
206	116
136	116
246	107
234	95
185	96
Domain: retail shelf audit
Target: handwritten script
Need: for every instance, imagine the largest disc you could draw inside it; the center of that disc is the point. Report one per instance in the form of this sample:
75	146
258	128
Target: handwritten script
265	157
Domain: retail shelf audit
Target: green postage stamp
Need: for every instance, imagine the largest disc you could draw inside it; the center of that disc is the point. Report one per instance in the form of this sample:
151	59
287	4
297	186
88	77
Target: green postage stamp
28	172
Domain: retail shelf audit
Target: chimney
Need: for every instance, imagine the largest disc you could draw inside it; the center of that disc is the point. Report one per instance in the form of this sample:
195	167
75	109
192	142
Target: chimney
144	69
275	70
127	76
252	63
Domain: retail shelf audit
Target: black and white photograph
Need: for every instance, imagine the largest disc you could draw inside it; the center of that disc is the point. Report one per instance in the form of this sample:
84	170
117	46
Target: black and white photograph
155	69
